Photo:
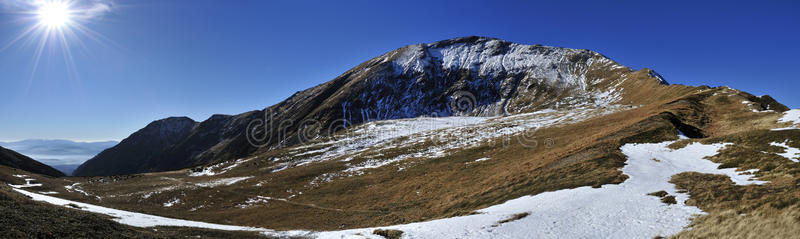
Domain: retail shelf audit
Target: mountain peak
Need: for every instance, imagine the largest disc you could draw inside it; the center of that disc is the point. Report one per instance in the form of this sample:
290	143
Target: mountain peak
473	75
466	39
655	74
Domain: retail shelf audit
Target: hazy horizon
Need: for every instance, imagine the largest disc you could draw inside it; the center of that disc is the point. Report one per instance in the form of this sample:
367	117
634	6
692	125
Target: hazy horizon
58	152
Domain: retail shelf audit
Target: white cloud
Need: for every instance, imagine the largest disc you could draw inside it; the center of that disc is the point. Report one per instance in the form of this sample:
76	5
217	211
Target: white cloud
97	8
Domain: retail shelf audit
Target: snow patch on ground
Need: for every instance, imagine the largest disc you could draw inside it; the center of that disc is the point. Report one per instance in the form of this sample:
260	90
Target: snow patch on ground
224	181
145	220
785	128
753	107
491	130
172	202
612	211
210	170
29	183
791	117
253	201
621	211
75	187
790	153
157	191
426	138
371	135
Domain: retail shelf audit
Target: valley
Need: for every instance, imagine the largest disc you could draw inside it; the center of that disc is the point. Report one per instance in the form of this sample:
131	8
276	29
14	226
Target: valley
545	142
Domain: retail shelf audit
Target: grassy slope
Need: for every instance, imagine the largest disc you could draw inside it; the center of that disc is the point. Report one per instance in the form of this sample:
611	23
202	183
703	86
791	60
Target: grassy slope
583	154
755	211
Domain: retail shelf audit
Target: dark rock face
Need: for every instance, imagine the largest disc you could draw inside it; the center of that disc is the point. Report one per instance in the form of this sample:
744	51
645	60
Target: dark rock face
16	160
475	76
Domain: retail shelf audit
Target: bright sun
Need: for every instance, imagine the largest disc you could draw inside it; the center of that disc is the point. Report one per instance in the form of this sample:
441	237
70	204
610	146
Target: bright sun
54	14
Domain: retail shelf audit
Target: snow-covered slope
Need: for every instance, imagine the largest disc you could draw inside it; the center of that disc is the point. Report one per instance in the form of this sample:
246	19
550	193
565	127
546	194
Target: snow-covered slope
617	210
791	117
612	211
449	134
499	77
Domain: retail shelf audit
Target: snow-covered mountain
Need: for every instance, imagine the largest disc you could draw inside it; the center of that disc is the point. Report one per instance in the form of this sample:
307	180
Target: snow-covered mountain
470	76
464	138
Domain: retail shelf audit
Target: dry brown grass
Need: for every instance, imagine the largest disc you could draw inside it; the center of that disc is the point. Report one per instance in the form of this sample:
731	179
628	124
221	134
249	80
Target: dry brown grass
584	154
769	223
514	217
388	233
752	211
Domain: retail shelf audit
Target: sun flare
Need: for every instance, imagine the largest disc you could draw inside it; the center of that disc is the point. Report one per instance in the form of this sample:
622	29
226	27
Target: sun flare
54	14
57	25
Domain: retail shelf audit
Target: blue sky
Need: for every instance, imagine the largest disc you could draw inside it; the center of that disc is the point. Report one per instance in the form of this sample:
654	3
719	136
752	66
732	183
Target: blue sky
161	58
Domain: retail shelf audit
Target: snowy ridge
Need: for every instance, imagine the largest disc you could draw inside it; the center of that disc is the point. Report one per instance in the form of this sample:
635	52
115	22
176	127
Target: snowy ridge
500	78
495	56
493	60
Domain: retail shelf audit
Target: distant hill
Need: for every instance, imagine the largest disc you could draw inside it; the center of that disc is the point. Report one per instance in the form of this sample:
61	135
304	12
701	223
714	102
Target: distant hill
66	168
17	160
64	155
145	150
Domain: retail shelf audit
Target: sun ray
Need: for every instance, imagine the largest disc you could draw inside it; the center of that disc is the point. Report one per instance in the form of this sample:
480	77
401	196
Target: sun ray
28	31
58	26
37	56
69	60
97	37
